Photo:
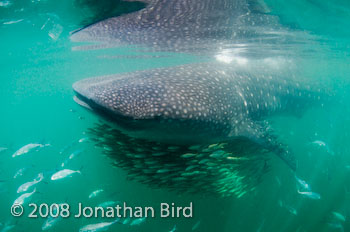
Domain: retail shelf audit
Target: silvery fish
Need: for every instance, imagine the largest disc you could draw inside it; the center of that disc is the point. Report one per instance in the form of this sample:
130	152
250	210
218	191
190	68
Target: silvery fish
311	195
323	145
95	193
63	174
302	184
24	187
319	143
7	227
126	221
103	226
83	139
173	229
28	148
71	156
336	226
21	199
137	221
50	222
108	203
338	216
75	154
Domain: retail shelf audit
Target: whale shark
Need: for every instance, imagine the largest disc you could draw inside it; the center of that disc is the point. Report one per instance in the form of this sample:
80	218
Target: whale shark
197	103
187	26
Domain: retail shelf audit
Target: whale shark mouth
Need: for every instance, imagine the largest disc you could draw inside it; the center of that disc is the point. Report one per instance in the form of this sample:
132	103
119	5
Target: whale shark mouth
82	103
124	123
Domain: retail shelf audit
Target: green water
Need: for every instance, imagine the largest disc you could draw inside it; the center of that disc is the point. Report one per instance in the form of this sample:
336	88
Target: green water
36	74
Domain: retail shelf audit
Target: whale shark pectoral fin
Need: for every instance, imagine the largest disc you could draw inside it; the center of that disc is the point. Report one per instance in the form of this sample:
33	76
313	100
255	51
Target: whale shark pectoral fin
281	150
288	157
262	135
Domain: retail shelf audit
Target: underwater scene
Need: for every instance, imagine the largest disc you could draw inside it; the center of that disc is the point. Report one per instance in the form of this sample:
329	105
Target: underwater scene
175	115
